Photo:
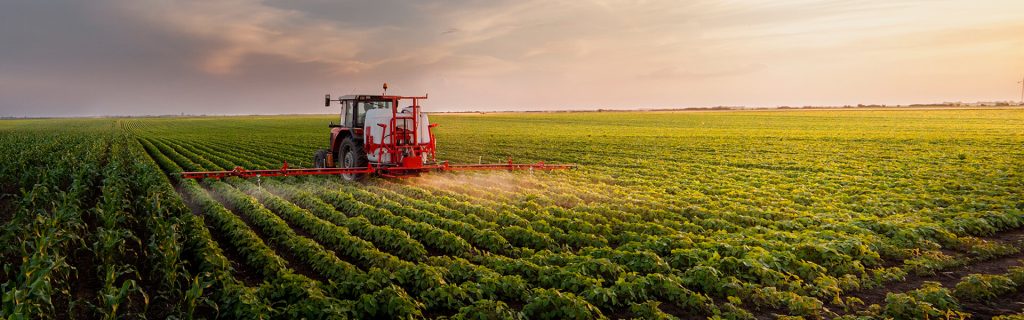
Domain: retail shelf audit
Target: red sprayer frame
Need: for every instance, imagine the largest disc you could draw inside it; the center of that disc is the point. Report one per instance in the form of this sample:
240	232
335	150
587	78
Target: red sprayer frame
407	154
402	139
391	172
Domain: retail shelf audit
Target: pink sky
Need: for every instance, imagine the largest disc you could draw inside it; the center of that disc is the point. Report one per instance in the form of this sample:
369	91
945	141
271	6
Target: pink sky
236	57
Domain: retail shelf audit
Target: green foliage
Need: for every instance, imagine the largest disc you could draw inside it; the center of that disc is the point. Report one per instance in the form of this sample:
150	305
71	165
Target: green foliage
668	213
553	304
487	310
983	287
930	301
649	310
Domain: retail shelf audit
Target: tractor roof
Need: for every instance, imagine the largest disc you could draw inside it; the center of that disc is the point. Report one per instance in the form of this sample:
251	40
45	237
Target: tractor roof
361	97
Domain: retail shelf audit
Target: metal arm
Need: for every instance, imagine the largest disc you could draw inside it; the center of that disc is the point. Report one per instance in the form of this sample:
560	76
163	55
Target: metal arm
396	172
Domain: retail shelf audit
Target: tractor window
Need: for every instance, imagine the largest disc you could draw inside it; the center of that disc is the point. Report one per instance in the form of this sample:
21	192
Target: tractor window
363	106
346	114
376	104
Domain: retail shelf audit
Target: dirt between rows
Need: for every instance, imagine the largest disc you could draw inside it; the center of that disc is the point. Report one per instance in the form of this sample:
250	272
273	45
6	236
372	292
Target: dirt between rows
292	262
1011	303
241	271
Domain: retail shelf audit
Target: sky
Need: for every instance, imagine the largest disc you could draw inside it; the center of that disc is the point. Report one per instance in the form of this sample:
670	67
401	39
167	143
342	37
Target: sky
136	57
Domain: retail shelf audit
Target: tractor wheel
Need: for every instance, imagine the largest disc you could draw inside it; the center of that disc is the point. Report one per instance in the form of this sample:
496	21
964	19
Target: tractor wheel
353	156
320	158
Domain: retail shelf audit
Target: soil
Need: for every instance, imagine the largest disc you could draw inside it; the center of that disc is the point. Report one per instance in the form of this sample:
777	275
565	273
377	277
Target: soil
192	206
948	278
619	313
7	212
302	232
85	283
7	207
434	314
293	262
242	271
433	252
679	312
1011	303
1008	304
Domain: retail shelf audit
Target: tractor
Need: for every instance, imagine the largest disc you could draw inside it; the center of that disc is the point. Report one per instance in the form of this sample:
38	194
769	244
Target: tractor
376	135
374	130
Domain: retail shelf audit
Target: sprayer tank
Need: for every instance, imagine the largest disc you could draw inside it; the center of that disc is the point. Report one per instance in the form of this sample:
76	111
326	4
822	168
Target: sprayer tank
380	135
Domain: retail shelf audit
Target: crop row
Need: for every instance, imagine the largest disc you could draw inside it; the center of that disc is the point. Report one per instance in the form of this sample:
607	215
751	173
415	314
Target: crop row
380	214
460	291
774	213
98	227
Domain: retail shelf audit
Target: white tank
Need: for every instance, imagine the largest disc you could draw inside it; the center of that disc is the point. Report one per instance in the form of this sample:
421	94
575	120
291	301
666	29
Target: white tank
379	135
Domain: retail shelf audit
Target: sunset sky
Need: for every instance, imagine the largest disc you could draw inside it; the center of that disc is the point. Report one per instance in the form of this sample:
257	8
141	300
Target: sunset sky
130	57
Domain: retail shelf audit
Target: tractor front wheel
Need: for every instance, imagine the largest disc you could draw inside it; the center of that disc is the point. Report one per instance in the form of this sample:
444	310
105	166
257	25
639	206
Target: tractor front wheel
320	158
353	156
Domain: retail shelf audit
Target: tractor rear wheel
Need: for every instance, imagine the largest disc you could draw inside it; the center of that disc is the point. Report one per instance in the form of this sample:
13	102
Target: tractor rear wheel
320	158
353	156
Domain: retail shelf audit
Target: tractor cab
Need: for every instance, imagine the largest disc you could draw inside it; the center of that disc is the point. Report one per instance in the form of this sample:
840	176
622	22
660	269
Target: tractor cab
372	131
354	108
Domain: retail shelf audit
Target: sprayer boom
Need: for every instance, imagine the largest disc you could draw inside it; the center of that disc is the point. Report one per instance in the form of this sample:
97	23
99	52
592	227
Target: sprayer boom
375	135
391	172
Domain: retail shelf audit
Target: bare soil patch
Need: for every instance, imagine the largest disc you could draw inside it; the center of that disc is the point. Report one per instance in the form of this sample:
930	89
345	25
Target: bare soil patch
950	277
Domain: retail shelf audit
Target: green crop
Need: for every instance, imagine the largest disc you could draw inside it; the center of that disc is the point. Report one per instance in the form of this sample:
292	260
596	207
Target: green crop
730	215
982	287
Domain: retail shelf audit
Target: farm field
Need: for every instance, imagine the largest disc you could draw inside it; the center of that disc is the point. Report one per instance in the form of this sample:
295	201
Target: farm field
736	215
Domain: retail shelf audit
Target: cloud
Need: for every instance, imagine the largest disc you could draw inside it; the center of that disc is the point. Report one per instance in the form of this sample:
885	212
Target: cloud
64	57
245	27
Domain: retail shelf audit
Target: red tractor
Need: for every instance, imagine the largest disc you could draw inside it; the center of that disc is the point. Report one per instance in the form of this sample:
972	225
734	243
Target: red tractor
375	131
375	135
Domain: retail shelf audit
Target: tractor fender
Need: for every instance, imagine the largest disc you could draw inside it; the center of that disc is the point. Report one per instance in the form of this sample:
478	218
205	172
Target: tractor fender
338	135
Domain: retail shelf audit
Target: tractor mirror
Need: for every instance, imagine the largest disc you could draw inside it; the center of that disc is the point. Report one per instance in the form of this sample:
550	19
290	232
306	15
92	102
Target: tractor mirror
327	100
